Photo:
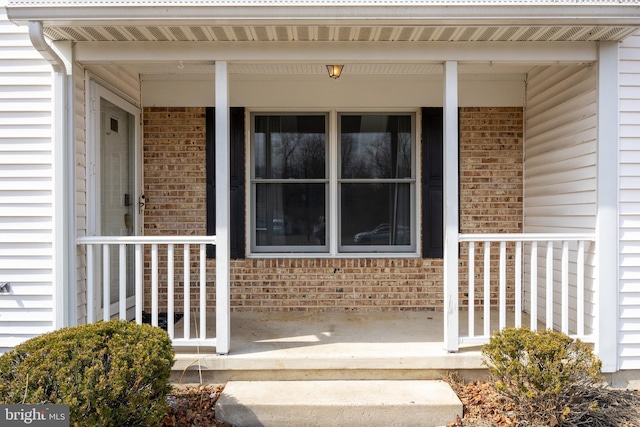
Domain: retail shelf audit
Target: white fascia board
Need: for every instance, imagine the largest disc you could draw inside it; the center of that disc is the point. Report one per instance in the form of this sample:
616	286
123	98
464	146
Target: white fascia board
346	12
321	52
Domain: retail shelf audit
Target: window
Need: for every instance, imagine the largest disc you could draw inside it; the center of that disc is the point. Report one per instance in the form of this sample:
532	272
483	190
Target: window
376	183
374	191
289	183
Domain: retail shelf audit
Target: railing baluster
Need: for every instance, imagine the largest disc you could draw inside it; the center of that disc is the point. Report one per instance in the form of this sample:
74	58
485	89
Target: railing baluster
170	286
106	284
534	286
549	284
154	284
487	288
503	285
553	294
565	288
580	289
139	277
100	253
518	285
472	279
122	282
187	293
203	291
91	283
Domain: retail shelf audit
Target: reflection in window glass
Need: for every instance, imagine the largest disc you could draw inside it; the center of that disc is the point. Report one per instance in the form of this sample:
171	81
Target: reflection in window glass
375	146
289	147
375	214
290	215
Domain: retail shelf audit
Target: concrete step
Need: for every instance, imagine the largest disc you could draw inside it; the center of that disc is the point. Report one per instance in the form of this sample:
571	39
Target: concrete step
337	403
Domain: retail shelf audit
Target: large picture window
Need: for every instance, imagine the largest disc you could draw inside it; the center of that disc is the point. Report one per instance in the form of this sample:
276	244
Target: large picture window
292	190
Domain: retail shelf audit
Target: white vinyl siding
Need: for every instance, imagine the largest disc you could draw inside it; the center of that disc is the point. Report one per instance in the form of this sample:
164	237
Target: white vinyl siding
124	81
560	171
629	205
26	198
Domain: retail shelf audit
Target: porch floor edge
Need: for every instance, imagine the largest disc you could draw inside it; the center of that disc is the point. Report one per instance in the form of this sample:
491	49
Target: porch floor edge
392	345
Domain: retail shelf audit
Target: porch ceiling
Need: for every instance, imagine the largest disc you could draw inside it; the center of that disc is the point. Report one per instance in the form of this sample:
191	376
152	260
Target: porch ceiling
176	69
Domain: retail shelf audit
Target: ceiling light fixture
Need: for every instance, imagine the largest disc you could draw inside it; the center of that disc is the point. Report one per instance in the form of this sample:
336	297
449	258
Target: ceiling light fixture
334	71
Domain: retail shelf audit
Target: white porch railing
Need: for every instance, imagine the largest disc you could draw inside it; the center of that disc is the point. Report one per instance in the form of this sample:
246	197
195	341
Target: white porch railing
98	248
548	281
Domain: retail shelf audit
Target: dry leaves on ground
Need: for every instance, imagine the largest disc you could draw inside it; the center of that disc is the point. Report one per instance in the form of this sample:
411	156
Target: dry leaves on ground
482	404
193	406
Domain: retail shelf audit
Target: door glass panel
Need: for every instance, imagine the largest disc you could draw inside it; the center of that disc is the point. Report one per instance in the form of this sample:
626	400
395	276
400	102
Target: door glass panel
117	187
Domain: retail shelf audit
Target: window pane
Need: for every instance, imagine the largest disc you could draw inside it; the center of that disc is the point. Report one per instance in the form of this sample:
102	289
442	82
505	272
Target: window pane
290	215
375	214
289	147
375	146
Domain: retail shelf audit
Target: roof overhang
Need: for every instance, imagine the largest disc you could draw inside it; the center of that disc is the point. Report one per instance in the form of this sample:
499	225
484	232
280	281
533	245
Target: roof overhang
334	20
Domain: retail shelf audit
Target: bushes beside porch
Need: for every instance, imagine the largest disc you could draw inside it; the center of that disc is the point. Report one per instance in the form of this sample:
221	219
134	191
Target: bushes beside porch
109	373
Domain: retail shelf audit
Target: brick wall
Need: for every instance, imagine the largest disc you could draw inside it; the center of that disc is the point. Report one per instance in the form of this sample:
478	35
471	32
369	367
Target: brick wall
491	160
175	187
174	170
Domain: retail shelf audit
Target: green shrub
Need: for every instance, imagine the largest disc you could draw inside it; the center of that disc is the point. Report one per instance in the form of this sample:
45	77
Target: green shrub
542	372
110	373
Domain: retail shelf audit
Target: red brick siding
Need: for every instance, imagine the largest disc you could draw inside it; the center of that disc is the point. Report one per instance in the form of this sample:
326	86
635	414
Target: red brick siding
491	159
175	187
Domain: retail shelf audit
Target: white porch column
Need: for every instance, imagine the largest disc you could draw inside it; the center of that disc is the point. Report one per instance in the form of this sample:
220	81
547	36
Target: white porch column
607	202
451	207
223	310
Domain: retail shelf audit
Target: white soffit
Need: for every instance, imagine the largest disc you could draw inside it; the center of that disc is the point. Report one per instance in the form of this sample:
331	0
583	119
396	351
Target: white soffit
389	33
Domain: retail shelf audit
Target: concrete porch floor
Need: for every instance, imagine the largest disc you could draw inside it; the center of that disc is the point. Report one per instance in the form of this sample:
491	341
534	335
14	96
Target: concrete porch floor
329	345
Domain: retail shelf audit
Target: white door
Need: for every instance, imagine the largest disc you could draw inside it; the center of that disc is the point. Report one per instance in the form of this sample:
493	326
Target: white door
115	189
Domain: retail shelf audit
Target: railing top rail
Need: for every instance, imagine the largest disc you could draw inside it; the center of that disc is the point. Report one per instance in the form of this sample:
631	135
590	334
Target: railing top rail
526	237
132	240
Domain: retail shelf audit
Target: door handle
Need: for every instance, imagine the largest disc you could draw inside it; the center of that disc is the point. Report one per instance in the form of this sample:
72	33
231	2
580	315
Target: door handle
141	203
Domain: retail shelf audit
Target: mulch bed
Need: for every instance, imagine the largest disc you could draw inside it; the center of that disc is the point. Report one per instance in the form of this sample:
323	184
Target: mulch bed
193	406
482	405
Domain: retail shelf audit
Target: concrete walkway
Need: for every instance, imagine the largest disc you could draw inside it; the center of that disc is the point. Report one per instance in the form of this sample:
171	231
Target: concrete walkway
338	403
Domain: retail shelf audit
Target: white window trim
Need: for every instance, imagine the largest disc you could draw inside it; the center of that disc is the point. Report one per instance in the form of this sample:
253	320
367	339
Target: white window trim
333	202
